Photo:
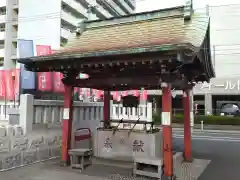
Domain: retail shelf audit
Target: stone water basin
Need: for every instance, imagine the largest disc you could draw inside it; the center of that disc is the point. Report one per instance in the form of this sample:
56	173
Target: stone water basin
123	145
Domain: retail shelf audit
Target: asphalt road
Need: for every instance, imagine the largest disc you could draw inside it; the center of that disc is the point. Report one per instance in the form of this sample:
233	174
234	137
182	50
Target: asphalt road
222	148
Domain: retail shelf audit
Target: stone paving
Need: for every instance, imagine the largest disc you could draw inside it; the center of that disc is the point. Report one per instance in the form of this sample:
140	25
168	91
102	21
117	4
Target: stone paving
52	170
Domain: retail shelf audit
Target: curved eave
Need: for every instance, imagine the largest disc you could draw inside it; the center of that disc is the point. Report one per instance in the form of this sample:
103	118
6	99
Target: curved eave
202	51
206	54
69	57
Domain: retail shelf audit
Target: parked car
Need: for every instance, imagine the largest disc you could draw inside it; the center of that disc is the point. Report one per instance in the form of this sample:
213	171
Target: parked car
230	110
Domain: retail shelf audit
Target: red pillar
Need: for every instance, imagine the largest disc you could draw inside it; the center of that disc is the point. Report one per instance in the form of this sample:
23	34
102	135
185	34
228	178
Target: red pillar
106	108
187	127
167	131
67	123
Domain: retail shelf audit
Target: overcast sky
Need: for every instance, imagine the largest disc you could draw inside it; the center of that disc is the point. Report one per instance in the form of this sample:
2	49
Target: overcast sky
148	5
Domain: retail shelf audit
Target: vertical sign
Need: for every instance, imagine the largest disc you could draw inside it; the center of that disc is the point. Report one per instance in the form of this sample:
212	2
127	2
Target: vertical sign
44	78
2	84
58	85
25	48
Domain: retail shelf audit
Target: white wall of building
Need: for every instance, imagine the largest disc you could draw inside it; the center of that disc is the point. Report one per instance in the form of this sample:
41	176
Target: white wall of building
225	30
225	39
40	20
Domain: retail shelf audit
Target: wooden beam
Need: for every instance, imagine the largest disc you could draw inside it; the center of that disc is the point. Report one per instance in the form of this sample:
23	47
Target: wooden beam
84	64
127	83
115	81
122	88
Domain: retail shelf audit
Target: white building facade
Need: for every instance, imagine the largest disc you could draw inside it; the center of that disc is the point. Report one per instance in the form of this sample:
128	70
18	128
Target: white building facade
49	22
225	48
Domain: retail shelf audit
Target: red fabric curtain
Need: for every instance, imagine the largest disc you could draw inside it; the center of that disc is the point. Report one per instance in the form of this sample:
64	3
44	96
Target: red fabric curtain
44	78
9	80
124	93
116	95
135	93
2	84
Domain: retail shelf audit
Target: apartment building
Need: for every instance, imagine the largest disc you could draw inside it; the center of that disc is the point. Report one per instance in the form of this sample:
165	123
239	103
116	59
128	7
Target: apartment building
8	20
49	22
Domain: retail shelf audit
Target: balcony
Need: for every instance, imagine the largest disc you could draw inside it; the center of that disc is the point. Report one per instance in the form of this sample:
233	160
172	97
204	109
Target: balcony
2	35
66	34
103	10
77	7
2	18
116	7
131	3
67	17
1	51
124	6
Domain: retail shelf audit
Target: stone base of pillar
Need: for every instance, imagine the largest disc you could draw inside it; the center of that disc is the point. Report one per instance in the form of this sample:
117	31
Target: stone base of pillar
187	160
64	163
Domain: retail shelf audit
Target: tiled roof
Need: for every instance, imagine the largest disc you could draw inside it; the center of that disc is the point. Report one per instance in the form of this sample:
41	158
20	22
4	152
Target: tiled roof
159	29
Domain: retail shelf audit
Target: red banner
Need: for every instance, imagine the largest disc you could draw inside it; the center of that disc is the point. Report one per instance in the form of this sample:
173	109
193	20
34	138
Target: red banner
116	95
88	92
44	81
124	93
135	93
44	78
98	94
9	78
2	84
58	86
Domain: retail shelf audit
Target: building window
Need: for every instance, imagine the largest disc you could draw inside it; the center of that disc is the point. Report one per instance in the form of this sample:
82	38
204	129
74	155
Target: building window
3	11
2	27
